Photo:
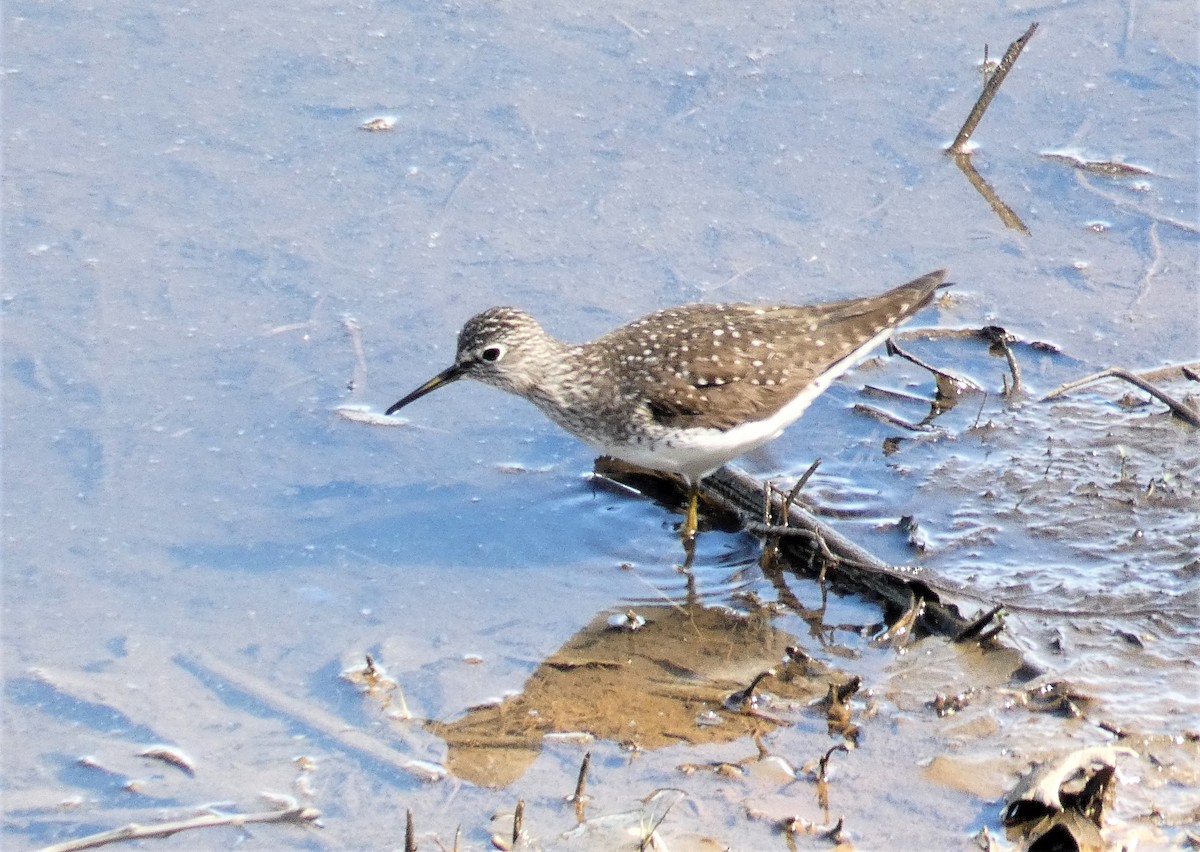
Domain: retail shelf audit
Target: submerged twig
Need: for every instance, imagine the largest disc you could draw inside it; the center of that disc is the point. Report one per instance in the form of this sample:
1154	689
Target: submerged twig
891	419
302	815
1122	203
855	566
1180	409
358	378
1156	264
1108	168
172	755
310	715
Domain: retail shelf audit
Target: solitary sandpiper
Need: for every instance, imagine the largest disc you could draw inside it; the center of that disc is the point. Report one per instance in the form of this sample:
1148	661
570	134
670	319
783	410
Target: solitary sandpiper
686	389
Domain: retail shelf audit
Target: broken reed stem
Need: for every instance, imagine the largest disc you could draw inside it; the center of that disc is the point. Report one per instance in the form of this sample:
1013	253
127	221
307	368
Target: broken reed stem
795	492
975	628
579	798
959	146
823	779
836	833
581	782
518	822
1013	367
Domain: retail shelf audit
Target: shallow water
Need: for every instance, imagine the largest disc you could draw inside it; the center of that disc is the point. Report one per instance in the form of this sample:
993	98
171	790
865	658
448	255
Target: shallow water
196	545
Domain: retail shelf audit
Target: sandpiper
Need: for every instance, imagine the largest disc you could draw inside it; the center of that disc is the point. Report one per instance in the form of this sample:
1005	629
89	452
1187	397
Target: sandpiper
686	389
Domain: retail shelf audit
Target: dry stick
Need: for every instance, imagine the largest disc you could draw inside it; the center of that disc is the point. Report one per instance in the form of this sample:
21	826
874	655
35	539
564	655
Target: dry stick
785	530
800	483
823	781
1182	411
1012	365
823	763
959	146
578	796
1188	371
134	831
978	414
410	832
969	334
1002	341
518	822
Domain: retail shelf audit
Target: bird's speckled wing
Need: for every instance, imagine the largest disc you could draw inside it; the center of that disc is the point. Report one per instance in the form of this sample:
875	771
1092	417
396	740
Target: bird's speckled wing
746	362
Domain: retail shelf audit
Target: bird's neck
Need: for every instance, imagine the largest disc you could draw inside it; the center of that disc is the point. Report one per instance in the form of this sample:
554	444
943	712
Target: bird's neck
562	380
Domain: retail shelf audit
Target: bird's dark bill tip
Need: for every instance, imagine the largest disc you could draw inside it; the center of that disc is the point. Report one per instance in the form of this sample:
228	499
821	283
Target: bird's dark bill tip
394	407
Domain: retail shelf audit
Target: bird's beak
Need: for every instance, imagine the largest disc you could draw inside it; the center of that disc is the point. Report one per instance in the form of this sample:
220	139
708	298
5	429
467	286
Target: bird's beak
445	377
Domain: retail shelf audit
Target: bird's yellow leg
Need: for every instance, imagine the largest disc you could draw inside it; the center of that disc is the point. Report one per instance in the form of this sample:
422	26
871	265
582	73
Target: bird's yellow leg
688	533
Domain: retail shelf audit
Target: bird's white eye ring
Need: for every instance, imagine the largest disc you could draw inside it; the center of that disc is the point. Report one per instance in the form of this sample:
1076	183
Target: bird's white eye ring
492	354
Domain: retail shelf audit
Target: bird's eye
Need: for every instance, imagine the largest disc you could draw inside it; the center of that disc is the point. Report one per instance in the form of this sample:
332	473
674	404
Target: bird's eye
491	354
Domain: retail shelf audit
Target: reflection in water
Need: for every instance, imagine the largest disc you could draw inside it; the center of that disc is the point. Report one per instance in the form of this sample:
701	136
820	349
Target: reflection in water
666	682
